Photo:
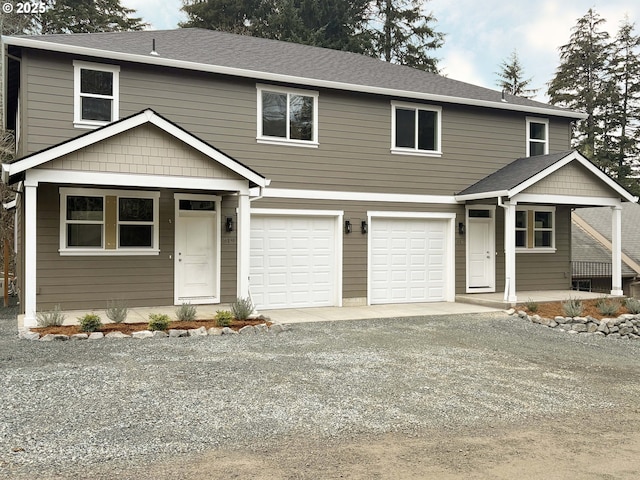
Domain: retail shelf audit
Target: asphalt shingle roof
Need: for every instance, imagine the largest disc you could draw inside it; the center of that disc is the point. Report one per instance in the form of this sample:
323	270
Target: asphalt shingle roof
515	173
585	248
600	219
207	47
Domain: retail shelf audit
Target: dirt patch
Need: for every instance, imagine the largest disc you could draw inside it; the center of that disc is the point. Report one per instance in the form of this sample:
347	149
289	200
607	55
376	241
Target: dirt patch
554	309
129	328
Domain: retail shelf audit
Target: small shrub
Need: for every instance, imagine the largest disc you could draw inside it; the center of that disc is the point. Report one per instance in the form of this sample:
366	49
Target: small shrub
572	307
90	323
531	306
117	311
186	312
633	305
242	308
224	318
158	321
50	318
608	306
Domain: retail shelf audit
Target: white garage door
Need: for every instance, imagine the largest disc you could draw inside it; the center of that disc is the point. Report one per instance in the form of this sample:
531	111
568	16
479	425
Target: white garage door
408	260
293	261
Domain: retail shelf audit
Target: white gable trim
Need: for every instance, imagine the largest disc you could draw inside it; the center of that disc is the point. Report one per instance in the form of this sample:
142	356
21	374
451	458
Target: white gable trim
563	162
147	116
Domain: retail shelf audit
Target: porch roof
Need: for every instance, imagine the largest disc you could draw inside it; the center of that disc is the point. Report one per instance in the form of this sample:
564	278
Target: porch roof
11	171
521	174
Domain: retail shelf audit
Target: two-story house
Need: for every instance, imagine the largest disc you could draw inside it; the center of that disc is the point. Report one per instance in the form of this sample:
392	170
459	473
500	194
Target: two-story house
164	167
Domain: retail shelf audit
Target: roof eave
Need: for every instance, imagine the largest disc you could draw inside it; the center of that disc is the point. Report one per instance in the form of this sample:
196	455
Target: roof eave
167	62
481	195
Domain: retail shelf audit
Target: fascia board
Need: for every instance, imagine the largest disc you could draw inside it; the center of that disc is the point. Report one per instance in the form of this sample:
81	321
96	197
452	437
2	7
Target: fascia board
276	77
481	196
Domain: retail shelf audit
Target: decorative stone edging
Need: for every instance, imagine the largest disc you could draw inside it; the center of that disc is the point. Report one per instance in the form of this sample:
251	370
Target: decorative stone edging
625	326
261	329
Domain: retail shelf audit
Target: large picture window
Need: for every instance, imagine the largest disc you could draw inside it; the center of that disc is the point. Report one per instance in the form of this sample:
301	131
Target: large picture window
535	229
97	221
96	88
287	116
416	129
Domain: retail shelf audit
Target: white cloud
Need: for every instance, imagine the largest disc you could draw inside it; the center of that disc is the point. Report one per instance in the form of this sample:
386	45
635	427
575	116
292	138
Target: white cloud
460	65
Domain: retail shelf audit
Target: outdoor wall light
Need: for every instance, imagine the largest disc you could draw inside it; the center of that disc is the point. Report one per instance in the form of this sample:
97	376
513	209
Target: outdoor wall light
347	226
461	228
228	224
364	228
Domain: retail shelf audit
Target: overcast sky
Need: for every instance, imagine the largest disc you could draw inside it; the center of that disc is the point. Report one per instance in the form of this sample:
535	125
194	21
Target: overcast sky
479	34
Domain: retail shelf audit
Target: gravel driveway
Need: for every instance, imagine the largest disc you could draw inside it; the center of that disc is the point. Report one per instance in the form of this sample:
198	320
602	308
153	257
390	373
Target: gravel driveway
122	408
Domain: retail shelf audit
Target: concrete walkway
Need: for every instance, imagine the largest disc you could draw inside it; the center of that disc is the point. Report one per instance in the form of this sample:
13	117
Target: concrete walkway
300	315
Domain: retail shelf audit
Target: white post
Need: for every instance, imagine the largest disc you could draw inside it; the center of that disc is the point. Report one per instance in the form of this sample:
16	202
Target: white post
616	251
30	246
243	243
510	252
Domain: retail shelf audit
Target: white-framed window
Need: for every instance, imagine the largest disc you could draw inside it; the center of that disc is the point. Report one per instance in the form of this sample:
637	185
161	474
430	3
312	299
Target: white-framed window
537	136
108	222
287	116
535	229
96	94
416	129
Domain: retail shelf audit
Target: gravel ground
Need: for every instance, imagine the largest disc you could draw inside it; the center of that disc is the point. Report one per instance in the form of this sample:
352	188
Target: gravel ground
111	407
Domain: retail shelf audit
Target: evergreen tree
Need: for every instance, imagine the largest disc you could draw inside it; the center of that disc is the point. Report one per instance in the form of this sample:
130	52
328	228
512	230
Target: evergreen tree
401	33
511	78
580	82
234	16
622	133
85	16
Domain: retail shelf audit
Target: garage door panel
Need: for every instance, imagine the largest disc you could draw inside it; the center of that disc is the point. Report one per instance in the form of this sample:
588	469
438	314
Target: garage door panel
407	260
300	254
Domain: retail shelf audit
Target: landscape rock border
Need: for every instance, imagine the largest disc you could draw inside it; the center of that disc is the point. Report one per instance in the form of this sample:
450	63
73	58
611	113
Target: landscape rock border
260	329
625	326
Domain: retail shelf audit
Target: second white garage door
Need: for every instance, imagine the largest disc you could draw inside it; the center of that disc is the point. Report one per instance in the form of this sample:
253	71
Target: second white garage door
294	261
409	260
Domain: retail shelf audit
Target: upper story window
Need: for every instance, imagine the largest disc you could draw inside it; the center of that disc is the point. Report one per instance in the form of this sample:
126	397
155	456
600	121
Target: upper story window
535	229
96	94
537	136
415	129
96	221
287	116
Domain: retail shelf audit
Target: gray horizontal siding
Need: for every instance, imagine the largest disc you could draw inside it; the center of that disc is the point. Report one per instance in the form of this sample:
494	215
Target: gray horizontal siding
354	130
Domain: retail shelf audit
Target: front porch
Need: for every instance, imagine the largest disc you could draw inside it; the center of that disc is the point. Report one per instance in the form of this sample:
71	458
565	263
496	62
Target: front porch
496	300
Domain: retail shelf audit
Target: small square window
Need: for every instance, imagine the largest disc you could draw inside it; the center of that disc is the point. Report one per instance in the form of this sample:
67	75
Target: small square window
288	117
416	129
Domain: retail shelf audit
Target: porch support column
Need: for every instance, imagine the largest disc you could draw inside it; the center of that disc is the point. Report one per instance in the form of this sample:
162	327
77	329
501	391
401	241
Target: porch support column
30	249
243	243
616	250
510	252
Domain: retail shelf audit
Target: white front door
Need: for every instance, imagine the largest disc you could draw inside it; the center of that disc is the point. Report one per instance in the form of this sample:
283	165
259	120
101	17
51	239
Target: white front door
196	250
480	250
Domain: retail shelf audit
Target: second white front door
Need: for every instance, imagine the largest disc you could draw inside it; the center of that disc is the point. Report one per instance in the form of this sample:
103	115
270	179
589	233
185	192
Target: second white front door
196	250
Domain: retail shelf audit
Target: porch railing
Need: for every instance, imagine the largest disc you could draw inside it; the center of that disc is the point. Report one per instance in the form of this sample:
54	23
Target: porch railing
590	269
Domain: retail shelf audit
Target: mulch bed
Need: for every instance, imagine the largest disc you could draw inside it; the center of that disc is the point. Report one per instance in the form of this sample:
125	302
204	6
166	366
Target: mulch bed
129	328
554	309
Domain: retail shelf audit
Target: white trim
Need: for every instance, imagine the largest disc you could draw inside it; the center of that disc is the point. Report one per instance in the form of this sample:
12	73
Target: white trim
217	238
357	196
450	245
267	76
147	116
616	251
64	250
510	252
566	200
78	65
339	249
541	121
416	107
243	246
132	180
30	250
492	246
481	195
533	248
261	138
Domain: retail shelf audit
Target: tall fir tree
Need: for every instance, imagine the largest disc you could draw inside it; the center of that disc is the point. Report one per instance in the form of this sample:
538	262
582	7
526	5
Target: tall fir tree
622	135
85	16
580	82
401	33
511	78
